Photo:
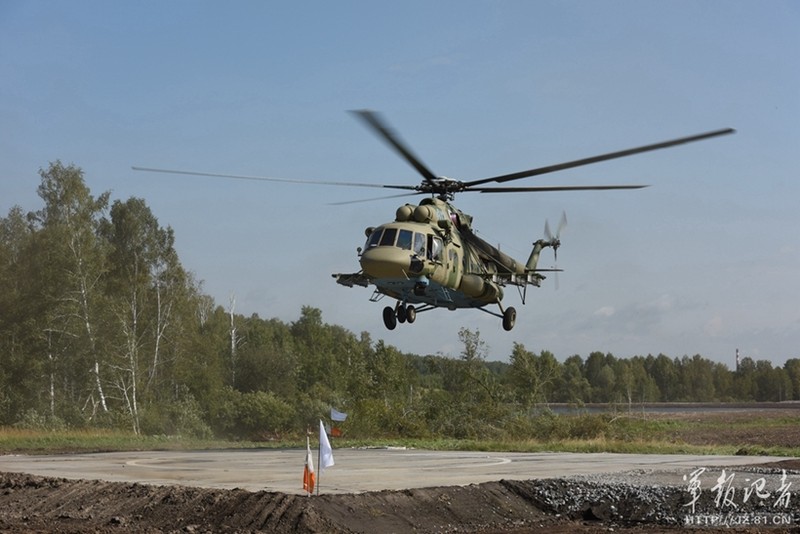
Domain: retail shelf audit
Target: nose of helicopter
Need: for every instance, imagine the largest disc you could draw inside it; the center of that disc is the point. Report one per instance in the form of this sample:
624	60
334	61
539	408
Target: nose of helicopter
386	262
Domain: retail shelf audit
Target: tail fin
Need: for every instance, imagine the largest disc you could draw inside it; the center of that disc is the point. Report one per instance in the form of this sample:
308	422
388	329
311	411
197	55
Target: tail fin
538	246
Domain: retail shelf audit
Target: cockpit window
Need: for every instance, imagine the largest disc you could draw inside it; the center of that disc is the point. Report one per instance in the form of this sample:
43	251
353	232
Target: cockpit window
374	238
401	238
404	239
388	237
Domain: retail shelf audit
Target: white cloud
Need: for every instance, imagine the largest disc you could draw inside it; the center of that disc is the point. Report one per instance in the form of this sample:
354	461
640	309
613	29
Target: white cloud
605	311
662	303
714	327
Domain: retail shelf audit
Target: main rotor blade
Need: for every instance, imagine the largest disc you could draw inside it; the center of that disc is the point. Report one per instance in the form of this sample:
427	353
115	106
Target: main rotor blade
372	199
268	179
546	188
380	127
602	157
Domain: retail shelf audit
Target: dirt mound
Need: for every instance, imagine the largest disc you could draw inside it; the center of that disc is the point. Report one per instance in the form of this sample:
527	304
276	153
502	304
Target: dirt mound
31	503
37	504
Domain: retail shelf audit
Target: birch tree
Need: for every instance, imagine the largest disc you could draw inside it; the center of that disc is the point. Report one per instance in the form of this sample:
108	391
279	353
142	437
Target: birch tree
145	280
76	260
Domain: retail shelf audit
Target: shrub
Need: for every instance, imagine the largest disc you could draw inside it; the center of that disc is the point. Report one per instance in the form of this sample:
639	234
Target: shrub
257	415
33	420
182	417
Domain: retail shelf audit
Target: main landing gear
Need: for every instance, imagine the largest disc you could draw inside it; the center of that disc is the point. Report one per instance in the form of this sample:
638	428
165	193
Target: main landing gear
408	314
400	314
509	318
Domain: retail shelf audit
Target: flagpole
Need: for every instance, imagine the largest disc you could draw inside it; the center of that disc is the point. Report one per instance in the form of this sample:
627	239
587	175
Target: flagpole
319	463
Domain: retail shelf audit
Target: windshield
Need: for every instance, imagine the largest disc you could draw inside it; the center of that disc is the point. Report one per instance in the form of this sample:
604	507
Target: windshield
400	238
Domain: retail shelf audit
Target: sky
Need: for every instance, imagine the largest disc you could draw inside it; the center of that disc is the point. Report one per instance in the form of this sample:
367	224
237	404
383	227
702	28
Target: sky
705	261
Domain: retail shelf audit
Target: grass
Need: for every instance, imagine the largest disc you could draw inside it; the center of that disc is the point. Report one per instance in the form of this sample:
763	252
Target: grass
721	434
13	440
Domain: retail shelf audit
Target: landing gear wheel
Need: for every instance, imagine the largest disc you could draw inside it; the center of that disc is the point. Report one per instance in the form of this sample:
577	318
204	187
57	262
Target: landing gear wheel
509	318
411	314
389	318
401	314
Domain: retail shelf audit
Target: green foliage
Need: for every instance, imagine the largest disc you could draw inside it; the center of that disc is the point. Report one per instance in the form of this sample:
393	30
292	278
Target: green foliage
181	417
549	427
533	377
256	415
374	417
33	420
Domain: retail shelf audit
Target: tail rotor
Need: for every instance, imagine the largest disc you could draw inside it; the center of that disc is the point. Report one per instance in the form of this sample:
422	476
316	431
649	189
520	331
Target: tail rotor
549	240
555	241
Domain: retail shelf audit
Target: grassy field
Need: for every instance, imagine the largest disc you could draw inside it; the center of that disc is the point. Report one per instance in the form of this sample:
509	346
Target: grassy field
773	433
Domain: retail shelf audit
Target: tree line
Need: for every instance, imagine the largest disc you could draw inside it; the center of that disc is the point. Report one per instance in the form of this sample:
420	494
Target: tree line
102	326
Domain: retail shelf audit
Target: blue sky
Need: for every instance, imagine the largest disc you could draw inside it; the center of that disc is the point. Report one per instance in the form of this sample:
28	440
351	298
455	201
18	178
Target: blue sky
703	262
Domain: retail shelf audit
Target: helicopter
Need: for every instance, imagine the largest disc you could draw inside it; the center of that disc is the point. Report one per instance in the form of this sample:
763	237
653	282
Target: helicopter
429	256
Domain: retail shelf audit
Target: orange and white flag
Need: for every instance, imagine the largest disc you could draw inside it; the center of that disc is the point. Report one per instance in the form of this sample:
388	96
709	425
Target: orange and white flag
308	471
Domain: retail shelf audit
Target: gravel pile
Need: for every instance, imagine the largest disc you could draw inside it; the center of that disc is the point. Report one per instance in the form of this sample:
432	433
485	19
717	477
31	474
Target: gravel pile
755	497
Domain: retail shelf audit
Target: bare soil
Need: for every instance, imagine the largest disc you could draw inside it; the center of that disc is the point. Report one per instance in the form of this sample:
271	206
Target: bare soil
39	504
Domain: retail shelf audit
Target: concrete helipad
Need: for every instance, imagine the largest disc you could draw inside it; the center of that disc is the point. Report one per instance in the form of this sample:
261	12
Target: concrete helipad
356	470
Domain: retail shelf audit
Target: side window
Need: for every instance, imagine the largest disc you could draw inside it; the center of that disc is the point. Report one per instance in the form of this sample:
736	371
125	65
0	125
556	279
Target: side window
388	237
453	259
435	248
404	239
419	244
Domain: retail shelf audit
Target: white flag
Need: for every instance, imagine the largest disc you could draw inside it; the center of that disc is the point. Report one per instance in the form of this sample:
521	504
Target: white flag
325	451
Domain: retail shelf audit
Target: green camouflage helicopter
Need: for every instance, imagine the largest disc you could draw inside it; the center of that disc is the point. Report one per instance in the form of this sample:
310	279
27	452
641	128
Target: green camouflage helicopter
429	256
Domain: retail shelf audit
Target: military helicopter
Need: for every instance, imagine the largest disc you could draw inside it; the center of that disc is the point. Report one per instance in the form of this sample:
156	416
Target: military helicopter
429	256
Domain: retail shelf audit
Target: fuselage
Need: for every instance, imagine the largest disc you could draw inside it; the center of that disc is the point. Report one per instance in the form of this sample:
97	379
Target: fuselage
421	257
